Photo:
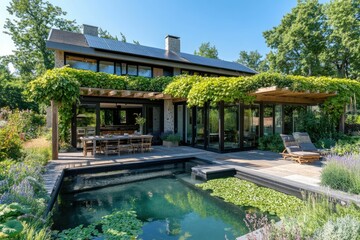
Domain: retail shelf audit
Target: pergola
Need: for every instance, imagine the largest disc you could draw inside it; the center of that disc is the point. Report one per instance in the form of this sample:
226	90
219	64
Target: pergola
272	94
275	94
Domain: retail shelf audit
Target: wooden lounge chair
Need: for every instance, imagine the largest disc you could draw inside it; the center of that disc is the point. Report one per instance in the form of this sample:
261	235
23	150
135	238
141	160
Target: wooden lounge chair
304	142
293	150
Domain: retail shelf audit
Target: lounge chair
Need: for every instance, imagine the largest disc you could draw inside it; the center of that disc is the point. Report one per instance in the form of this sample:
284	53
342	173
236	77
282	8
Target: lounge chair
293	150
304	142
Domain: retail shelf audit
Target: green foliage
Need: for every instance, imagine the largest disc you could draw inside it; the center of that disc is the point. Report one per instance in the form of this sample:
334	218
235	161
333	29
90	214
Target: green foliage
199	90
121	225
118	225
253	60
206	50
29	26
272	143
344	36
139	120
11	228
170	136
347	145
16	123
40	155
317	39
63	86
78	233
299	40
316	213
244	193
345	228
342	173
10	143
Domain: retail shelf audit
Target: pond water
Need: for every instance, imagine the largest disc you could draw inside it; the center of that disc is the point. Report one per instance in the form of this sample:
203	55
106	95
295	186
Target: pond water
169	207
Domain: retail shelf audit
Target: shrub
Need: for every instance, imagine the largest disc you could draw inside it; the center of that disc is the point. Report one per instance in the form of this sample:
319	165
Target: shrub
170	136
345	228
347	145
10	143
342	173
272	143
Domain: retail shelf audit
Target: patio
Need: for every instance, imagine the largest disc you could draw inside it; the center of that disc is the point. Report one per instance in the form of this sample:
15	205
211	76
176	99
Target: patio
265	162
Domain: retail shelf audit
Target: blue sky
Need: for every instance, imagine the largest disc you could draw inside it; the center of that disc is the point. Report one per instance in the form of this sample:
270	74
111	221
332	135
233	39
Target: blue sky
231	26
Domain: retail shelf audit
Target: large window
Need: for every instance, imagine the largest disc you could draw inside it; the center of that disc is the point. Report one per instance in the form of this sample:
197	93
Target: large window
268	119
251	125
145	71
117	68
82	63
231	127
132	70
107	67
213	138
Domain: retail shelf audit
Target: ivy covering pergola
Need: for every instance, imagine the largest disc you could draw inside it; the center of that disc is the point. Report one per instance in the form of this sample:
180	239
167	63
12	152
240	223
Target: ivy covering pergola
63	87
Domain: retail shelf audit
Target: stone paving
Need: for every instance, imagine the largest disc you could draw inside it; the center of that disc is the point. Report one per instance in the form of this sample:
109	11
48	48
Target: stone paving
261	161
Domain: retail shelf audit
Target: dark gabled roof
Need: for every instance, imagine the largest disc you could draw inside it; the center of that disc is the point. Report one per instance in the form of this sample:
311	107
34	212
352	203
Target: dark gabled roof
110	45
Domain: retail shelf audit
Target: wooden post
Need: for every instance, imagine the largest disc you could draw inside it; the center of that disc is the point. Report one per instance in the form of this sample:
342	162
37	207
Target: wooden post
54	126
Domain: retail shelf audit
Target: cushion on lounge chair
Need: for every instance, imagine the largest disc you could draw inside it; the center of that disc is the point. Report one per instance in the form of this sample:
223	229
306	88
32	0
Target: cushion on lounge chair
308	147
305	154
292	149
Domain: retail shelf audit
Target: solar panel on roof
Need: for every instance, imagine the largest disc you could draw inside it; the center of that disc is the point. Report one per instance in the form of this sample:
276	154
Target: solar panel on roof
129	48
117	46
216	63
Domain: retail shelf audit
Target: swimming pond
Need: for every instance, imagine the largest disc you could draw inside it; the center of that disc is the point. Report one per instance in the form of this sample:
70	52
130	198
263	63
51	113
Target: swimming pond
163	196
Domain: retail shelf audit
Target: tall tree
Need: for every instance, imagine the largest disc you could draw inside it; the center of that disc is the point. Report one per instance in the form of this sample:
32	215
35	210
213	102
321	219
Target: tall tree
11	89
28	27
254	60
344	38
105	34
299	40
206	50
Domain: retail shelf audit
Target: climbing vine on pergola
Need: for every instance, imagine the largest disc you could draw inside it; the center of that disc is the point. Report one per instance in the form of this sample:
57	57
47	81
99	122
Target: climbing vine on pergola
62	85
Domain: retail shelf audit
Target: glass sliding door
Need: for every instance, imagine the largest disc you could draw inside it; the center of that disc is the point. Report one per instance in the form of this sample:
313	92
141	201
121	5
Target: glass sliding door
213	126
251	125
200	127
278	119
189	126
231	127
268	120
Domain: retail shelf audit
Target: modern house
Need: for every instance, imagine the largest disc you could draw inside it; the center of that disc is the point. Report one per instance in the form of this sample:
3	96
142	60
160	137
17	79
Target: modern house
226	127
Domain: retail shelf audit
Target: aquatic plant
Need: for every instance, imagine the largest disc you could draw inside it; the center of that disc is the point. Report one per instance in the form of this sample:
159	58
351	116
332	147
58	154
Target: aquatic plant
247	194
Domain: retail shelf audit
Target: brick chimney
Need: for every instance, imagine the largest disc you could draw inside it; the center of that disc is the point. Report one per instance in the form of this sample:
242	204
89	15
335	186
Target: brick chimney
172	43
90	30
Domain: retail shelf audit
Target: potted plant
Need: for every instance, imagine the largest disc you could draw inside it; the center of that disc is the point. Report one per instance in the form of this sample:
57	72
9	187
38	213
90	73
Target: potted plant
170	139
139	120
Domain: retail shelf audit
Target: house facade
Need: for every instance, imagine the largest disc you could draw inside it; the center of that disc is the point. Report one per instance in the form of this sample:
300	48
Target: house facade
225	127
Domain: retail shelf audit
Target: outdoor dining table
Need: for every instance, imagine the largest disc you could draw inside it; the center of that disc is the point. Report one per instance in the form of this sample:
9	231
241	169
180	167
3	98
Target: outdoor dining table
95	139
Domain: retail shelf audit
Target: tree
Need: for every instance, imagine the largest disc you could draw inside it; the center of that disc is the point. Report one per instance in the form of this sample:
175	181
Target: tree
29	27
11	90
205	50
344	38
105	34
299	40
253	60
